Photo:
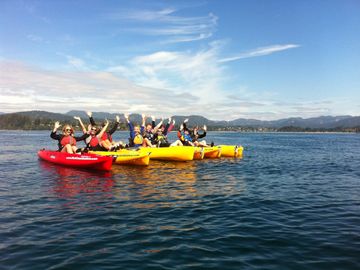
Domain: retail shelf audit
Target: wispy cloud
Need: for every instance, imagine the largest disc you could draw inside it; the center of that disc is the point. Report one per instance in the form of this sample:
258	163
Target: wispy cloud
197	72
260	52
165	23
35	38
76	62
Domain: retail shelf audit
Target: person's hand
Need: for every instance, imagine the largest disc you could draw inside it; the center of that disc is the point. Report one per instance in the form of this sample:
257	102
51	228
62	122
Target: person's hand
126	115
181	127
106	122
89	113
77	118
173	122
143	116
186	120
169	120
205	128
57	125
117	118
153	118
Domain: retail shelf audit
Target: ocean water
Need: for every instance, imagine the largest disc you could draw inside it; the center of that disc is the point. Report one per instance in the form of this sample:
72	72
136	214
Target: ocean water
292	202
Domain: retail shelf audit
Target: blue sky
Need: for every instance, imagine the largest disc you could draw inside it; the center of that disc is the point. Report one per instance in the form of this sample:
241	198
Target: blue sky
220	59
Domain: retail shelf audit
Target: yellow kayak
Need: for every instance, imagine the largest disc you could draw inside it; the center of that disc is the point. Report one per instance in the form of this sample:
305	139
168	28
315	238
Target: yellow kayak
231	150
174	153
129	157
212	151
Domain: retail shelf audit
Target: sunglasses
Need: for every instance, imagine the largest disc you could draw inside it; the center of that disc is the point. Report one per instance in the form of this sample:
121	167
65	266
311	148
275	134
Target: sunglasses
68	129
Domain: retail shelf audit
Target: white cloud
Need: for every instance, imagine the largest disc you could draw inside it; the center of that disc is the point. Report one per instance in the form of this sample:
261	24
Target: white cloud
260	52
165	23
162	83
23	86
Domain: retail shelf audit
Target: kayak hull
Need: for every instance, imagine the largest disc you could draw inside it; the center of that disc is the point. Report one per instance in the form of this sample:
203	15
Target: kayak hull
127	157
212	152
199	153
87	160
173	153
231	151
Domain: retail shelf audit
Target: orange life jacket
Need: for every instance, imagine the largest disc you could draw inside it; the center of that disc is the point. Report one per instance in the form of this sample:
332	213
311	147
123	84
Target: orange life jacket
94	141
106	136
68	140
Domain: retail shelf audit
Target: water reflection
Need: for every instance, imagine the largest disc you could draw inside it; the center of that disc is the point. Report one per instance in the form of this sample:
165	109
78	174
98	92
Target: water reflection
69	182
160	184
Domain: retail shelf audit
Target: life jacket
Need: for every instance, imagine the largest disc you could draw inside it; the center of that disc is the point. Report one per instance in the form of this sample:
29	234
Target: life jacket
161	139
106	136
68	140
94	141
186	137
149	135
138	139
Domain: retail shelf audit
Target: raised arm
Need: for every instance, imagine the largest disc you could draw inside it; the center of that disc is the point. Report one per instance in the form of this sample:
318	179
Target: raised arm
131	127
153	121
172	125
92	121
81	124
184	123
158	126
114	128
53	134
166	130
204	133
143	120
103	130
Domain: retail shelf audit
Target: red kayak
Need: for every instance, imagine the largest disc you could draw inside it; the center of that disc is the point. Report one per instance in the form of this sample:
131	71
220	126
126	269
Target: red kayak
90	161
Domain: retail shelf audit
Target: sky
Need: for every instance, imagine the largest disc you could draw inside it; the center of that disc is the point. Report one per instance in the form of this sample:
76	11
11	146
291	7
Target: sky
223	60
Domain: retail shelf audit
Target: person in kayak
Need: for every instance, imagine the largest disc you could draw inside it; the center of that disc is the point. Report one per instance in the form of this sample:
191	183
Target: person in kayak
195	136
162	141
95	143
184	134
136	134
151	129
66	140
106	139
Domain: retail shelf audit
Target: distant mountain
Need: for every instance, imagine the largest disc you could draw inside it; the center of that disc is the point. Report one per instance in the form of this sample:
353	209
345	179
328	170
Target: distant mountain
47	115
44	120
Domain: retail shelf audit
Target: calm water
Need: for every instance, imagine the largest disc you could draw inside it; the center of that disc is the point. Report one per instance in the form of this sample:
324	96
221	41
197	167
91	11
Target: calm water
292	202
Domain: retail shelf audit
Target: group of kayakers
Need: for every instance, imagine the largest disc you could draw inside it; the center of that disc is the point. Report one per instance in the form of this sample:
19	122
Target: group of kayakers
99	138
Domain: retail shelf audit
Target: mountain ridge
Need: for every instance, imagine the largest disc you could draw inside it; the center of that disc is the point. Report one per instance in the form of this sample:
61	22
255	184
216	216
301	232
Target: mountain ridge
37	119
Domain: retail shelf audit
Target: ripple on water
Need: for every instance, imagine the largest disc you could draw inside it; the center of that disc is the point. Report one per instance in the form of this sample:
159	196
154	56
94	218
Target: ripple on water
290	203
